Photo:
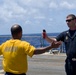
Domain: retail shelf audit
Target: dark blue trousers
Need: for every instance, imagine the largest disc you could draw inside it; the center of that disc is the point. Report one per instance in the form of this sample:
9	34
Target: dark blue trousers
70	67
8	73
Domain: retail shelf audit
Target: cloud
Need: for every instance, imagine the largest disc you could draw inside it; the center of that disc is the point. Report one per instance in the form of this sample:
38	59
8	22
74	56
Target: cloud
27	22
35	12
53	5
10	10
68	5
39	17
28	8
62	4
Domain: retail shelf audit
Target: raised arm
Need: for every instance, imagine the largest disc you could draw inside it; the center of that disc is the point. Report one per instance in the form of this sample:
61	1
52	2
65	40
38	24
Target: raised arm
45	36
44	49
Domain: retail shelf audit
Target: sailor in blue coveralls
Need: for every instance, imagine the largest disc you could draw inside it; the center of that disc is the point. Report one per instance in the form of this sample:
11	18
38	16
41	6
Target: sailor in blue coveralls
69	39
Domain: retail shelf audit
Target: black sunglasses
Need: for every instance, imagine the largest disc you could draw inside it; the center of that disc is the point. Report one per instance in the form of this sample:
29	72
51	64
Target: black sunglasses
69	20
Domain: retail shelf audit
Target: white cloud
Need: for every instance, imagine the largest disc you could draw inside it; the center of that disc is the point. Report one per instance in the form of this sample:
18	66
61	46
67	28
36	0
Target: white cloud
34	3
35	12
28	22
39	17
32	11
68	5
63	4
53	5
10	10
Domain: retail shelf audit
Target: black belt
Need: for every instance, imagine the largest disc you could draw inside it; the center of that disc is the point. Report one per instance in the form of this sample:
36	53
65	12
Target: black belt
14	74
73	59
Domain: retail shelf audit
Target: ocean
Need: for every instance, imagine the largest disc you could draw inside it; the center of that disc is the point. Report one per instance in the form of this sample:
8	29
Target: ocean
34	39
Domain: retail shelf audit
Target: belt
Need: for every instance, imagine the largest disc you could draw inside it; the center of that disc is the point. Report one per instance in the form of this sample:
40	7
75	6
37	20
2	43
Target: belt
73	59
8	73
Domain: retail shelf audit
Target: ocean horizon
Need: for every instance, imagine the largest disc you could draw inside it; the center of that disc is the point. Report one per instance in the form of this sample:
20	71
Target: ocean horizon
34	34
34	39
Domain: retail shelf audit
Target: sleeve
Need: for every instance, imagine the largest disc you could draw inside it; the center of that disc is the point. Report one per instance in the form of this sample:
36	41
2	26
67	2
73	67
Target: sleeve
29	49
60	37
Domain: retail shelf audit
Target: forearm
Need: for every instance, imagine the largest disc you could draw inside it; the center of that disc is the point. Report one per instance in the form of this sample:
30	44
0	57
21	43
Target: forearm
54	44
50	39
42	50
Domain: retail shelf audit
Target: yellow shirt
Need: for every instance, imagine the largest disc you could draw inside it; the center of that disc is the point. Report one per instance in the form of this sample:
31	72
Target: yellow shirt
15	55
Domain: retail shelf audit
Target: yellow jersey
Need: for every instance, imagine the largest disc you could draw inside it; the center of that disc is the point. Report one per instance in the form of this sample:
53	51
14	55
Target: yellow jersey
15	55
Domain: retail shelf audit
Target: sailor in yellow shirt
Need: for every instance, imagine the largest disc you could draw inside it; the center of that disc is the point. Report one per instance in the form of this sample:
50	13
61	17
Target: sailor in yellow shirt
15	52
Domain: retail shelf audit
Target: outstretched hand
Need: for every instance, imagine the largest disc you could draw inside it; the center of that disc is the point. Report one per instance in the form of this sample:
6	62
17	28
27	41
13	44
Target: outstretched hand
56	44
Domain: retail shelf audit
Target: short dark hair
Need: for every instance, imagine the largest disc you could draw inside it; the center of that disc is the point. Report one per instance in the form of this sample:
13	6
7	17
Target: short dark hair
15	29
72	15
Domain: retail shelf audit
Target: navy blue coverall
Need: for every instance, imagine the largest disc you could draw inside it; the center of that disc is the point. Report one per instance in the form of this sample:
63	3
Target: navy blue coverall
69	39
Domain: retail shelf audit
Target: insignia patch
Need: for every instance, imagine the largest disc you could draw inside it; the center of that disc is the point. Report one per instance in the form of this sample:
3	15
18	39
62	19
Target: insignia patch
66	38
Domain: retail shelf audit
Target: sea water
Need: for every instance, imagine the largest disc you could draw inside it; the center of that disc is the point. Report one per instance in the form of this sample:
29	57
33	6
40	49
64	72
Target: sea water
34	39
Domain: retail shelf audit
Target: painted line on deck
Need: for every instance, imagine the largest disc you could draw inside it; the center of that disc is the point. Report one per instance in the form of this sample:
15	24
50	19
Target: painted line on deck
1	70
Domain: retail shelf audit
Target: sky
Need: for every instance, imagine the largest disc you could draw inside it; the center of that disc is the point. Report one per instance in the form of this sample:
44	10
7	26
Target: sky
35	15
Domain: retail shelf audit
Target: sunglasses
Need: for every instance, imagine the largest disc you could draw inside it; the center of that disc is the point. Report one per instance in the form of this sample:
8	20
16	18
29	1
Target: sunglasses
69	20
